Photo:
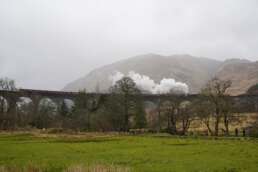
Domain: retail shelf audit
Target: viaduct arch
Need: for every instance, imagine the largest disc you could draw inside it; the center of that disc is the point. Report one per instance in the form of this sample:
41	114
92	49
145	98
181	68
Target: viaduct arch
243	103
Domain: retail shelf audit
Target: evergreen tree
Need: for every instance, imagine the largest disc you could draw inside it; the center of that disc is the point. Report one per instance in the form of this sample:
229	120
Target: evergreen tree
123	103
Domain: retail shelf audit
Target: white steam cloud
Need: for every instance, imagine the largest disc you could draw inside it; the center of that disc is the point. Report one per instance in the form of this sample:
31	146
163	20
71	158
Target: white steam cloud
145	83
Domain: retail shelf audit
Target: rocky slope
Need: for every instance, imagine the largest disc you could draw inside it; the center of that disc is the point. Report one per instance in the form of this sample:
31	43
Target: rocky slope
242	73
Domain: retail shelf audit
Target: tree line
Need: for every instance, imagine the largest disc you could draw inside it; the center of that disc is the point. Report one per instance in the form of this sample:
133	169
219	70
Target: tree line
124	110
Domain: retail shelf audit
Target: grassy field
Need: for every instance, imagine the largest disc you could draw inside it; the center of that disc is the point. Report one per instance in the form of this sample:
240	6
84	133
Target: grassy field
134	153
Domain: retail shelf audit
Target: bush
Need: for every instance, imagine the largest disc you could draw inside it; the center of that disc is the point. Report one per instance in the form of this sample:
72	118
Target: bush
253	131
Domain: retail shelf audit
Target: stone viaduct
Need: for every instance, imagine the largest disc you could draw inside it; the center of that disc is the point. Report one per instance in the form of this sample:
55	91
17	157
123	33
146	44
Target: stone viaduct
242	103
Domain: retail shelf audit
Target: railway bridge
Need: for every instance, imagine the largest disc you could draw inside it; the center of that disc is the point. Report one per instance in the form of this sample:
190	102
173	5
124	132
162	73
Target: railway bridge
243	103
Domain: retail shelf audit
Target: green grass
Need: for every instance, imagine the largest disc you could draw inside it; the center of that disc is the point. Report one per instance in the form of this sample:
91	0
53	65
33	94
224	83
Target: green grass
139	153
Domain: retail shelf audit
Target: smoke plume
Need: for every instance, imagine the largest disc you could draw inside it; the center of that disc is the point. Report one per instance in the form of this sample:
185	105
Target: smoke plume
145	83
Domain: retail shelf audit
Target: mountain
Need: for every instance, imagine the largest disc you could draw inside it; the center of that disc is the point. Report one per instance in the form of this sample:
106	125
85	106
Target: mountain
194	71
242	73
253	89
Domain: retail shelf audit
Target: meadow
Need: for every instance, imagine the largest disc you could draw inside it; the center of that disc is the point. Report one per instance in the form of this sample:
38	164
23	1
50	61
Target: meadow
143	153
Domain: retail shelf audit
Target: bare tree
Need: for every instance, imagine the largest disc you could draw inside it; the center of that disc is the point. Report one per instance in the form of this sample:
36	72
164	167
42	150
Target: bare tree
215	91
204	110
7	84
80	114
140	116
24	112
179	115
186	116
47	113
171	109
227	114
8	107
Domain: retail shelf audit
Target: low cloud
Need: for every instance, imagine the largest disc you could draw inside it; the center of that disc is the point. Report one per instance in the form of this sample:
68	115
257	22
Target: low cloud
145	83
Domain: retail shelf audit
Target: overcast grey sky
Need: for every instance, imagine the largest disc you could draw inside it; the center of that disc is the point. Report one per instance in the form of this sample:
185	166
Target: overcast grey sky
45	44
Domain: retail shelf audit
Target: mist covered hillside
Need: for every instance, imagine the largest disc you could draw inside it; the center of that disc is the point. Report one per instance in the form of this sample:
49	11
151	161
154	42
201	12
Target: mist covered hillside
193	71
242	73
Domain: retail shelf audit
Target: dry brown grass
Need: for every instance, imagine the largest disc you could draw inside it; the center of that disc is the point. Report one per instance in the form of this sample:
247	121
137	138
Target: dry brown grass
244	120
47	133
